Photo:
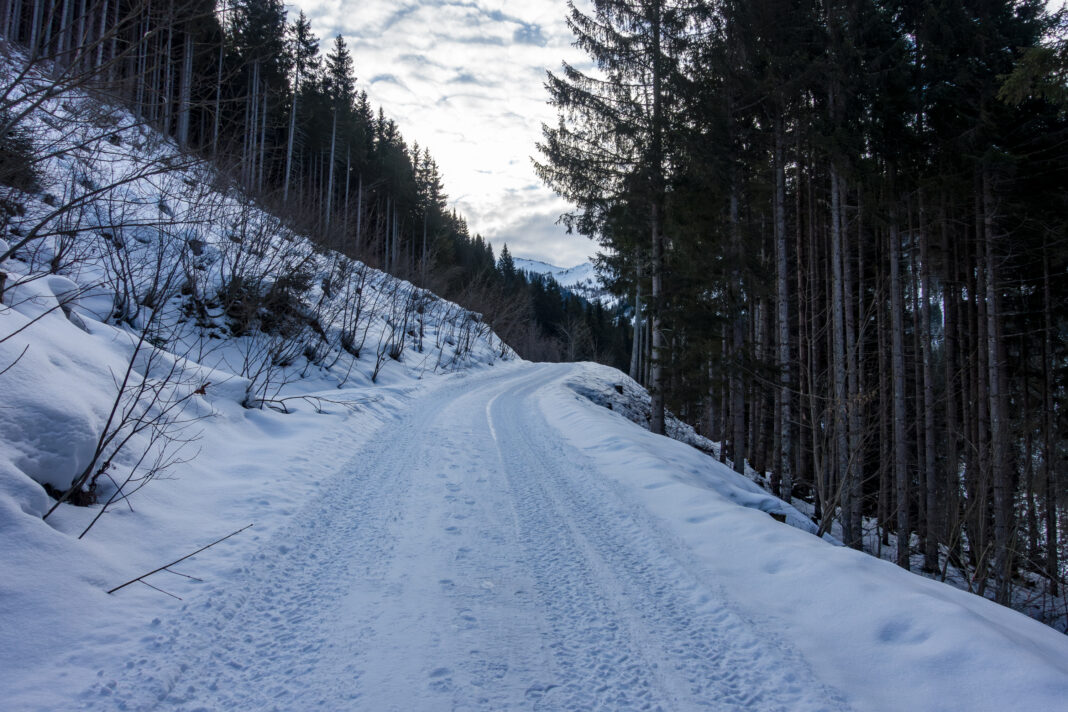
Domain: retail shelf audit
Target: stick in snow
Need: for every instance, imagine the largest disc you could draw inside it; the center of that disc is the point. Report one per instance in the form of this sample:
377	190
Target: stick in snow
176	561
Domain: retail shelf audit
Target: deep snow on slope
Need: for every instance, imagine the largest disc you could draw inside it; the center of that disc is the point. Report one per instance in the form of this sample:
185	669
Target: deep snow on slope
157	328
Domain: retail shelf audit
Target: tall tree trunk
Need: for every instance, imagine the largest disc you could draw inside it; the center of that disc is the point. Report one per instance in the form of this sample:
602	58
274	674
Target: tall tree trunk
102	33
636	346
853	400
656	384
897	335
934	525
396	238
291	137
979	537
920	471
330	172
35	29
1049	471
783	464
63	39
737	383
1002	482
348	176
423	254
950	309
262	143
801	473
838	365
359	216
217	119
185	90
885	448
5	18
81	37
167	70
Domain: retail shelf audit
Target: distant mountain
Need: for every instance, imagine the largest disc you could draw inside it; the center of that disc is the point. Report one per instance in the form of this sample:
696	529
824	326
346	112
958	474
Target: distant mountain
581	279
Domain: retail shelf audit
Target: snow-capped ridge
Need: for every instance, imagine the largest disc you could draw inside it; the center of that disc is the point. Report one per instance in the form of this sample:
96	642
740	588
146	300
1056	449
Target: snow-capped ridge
581	279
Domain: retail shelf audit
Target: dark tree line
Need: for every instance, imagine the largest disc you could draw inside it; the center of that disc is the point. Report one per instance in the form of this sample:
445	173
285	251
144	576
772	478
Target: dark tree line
844	226
239	84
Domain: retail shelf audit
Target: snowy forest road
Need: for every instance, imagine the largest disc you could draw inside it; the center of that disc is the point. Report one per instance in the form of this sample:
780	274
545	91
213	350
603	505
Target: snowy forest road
471	559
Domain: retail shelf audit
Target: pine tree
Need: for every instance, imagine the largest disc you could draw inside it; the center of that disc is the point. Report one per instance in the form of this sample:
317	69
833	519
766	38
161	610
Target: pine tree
613	141
340	80
304	53
506	268
259	47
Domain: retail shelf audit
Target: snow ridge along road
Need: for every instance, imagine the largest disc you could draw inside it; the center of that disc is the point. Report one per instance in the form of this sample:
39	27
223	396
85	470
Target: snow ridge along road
473	557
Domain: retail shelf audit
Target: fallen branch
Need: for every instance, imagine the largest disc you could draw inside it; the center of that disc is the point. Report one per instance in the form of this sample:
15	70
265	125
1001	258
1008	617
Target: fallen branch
351	405
176	561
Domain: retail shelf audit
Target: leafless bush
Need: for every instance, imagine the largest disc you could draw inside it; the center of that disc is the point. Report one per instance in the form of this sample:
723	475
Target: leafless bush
147	423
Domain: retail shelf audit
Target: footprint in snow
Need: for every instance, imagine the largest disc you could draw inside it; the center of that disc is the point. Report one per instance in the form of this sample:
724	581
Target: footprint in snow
440	680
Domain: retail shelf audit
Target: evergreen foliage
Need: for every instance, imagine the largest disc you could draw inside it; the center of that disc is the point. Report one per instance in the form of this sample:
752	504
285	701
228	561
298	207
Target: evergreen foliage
838	228
863	216
239	84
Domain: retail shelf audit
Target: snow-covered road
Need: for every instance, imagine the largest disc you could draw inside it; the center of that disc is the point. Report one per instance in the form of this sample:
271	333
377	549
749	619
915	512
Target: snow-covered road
503	543
471	559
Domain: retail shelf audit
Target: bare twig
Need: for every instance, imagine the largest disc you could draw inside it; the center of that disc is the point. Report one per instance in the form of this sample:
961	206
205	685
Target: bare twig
140	579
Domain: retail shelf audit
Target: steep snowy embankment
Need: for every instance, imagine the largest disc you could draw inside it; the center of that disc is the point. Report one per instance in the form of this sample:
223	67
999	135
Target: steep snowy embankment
186	358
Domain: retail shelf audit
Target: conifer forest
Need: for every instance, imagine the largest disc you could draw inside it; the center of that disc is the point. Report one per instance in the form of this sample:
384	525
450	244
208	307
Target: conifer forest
836	231
844	223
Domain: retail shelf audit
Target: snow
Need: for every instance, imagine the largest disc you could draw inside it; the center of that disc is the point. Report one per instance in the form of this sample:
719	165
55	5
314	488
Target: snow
74	304
453	529
579	275
888	639
491	540
582	279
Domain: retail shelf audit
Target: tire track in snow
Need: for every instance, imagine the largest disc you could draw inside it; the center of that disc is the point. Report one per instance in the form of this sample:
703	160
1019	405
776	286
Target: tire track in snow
273	638
633	627
460	631
256	644
465	560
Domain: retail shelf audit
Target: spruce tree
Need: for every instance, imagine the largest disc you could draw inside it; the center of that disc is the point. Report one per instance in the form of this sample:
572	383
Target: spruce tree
340	81
613	142
304	54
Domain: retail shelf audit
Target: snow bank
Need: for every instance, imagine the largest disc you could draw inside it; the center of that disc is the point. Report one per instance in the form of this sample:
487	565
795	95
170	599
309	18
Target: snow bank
620	394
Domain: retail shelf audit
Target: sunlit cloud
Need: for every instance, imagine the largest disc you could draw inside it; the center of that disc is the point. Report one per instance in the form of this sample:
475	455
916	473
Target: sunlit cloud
465	78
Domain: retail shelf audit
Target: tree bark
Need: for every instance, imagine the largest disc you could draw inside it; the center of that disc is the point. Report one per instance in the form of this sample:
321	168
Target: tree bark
656	385
185	90
1002	477
934	525
636	346
330	172
838	365
897	336
1052	565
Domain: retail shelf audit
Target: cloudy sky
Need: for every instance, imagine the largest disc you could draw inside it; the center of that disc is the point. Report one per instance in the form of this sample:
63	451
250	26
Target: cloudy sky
465	79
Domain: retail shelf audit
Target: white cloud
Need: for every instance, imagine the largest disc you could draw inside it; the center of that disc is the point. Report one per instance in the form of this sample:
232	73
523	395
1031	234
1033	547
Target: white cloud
464	78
